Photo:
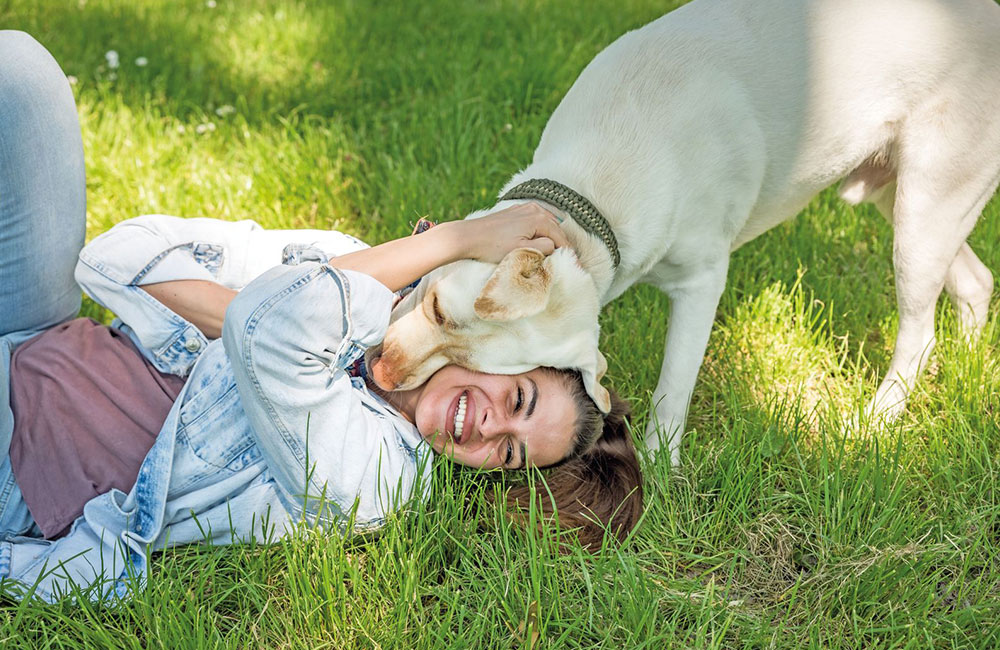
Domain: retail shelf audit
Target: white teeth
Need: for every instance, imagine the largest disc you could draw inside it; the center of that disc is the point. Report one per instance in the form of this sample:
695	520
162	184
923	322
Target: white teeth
460	418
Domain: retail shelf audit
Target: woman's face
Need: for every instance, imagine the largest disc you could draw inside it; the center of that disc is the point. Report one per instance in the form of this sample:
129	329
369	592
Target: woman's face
490	421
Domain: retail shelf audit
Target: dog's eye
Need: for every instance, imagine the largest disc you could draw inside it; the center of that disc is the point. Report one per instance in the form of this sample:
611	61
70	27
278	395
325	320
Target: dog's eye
438	316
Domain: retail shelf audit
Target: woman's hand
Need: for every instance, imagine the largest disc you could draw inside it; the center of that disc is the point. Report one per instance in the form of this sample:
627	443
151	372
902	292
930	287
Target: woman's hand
528	225
399	262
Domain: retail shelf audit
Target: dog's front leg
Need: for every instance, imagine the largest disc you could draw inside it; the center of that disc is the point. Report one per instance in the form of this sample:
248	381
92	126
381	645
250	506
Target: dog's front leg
693	302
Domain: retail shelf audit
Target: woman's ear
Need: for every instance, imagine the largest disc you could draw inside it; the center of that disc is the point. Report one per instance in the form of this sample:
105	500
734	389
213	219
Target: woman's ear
519	287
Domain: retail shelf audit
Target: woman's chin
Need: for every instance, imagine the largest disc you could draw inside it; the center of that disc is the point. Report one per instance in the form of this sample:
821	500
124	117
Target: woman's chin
438	442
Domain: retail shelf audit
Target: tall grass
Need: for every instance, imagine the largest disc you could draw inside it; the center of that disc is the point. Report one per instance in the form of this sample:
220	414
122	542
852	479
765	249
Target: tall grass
776	531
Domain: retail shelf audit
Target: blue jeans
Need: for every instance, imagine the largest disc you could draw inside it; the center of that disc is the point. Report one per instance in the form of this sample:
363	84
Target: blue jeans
42	221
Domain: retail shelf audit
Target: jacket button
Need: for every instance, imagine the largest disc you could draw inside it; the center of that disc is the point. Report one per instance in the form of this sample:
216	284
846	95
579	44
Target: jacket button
193	345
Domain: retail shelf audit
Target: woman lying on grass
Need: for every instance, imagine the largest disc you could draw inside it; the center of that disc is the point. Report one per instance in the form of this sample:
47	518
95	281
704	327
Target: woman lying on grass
227	401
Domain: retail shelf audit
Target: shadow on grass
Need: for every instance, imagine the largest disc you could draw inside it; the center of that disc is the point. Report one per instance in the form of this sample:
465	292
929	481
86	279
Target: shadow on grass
322	58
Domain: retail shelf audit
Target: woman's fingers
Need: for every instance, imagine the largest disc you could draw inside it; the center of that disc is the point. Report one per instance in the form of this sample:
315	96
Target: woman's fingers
491	237
544	245
532	221
551	230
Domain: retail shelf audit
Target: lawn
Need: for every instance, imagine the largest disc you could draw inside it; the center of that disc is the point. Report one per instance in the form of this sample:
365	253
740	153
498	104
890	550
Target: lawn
775	531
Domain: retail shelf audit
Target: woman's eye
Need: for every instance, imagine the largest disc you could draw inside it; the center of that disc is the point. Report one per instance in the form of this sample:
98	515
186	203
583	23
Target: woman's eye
438	316
520	400
510	453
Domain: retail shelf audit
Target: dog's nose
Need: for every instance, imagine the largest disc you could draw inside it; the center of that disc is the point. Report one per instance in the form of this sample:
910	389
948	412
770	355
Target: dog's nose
382	374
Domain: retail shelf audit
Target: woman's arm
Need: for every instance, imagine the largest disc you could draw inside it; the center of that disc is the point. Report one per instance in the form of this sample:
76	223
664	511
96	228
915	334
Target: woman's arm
114	268
395	263
202	303
290	334
399	262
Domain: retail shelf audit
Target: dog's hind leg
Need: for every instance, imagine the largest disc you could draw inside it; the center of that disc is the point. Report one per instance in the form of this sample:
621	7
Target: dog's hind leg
970	286
968	283
935	205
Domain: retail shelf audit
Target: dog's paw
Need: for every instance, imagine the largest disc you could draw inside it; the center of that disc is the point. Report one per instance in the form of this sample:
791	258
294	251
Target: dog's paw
880	413
659	444
888	404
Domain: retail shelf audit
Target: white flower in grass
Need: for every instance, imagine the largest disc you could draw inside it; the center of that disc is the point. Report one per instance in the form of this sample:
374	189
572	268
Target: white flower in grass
142	62
181	128
225	110
71	79
210	4
205	127
112	58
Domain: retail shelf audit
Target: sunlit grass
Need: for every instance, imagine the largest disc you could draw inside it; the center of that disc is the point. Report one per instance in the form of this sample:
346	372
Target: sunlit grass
778	530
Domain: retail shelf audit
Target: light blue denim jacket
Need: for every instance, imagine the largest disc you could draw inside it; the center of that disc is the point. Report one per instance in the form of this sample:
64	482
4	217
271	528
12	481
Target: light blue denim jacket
269	429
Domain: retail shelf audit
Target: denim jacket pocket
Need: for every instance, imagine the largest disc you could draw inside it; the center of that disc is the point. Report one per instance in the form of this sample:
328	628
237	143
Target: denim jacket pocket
211	428
213	434
207	255
294	254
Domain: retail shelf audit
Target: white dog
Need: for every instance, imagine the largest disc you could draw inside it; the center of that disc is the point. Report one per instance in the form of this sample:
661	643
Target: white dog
707	127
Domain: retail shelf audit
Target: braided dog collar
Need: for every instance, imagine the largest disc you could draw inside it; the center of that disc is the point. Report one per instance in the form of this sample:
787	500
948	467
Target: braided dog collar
576	206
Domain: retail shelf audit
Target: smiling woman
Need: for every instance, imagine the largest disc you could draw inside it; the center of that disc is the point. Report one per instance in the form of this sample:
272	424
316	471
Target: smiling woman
228	378
492	421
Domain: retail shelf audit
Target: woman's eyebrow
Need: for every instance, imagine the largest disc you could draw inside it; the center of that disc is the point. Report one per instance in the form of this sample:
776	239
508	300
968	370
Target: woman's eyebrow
534	399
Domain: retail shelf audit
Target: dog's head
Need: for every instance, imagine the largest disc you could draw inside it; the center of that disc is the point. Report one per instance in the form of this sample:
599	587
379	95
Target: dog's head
527	311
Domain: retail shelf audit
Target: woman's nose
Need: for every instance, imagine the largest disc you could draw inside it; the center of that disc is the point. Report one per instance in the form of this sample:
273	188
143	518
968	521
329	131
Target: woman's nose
493	425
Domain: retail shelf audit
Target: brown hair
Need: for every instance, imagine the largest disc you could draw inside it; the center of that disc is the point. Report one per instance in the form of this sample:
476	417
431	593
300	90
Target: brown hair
598	486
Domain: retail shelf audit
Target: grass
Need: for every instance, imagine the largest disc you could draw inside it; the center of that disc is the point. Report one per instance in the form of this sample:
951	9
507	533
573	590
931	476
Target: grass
774	533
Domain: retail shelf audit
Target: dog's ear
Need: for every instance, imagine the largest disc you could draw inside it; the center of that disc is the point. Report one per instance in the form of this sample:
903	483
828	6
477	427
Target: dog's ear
592	376
519	287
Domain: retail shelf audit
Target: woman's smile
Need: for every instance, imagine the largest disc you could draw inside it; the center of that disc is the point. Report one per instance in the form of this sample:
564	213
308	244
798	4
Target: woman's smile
490	421
461	416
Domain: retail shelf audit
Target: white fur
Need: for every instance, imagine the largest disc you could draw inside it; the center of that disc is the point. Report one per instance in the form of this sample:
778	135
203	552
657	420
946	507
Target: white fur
709	126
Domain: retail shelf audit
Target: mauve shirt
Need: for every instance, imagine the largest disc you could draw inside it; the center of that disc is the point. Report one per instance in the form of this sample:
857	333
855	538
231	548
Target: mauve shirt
87	408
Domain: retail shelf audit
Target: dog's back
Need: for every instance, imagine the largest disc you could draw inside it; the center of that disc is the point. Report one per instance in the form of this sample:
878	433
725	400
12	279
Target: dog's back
765	103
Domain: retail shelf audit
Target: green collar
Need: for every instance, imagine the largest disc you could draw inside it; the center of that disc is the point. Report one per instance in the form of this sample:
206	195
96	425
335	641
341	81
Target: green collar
576	206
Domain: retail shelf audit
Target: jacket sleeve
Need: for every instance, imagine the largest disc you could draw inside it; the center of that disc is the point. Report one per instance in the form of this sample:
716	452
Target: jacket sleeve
157	248
290	335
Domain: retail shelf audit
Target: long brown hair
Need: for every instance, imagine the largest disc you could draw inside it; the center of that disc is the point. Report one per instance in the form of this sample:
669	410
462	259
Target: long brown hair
598	487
